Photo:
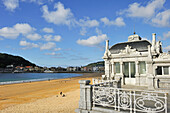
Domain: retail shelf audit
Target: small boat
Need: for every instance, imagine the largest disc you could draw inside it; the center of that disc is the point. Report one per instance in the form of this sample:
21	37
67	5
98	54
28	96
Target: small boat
48	71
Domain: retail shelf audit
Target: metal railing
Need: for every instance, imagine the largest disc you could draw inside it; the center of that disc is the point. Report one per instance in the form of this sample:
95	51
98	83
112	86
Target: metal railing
129	100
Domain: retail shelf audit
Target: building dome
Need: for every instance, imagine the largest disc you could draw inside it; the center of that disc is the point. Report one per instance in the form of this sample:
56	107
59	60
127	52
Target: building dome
140	45
134	37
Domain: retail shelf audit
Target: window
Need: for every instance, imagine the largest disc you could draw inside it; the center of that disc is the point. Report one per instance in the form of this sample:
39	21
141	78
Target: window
166	70
142	67
126	69
159	70
129	69
132	69
162	70
117	67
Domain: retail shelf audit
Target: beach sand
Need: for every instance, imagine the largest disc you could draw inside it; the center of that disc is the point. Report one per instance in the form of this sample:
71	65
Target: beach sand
43	96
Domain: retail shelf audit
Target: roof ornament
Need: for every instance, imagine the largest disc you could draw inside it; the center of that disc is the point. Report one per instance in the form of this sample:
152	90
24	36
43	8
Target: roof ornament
134	37
128	50
134	30
107	52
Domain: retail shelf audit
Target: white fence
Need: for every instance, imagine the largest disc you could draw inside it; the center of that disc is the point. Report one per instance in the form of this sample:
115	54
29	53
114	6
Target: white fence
129	100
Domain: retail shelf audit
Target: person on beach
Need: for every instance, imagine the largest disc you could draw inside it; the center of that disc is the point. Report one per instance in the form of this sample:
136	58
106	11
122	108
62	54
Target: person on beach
61	93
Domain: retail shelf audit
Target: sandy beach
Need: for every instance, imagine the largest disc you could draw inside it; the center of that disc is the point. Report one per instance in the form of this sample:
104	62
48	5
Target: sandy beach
43	96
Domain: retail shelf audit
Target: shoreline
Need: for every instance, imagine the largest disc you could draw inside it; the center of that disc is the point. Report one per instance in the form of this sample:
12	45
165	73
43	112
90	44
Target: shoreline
58	72
24	94
45	79
29	81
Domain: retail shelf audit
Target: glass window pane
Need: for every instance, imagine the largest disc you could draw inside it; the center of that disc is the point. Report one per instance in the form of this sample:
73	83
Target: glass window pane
117	67
132	65
166	70
159	70
142	67
126	69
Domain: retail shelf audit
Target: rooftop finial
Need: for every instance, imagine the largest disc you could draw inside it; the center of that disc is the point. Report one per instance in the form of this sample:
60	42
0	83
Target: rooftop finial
134	30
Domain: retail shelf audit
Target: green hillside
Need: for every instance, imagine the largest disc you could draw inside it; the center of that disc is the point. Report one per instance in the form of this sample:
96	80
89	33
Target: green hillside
100	63
6	59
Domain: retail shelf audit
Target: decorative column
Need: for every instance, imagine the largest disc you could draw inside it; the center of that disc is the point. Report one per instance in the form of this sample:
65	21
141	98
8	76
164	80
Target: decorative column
121	73
137	73
107	68
156	79
150	76
112	76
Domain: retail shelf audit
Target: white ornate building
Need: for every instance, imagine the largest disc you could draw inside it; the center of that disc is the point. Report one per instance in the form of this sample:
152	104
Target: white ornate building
138	62
135	62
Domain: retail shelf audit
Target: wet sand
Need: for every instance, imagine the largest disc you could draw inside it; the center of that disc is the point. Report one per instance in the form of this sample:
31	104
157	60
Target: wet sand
43	96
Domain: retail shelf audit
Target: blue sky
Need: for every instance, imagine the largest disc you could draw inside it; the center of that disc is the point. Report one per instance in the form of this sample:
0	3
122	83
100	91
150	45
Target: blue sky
73	32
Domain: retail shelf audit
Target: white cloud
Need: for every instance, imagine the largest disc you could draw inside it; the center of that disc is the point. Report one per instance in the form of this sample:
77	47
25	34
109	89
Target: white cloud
56	38
64	16
93	40
88	23
57	49
98	31
9	32
16	30
83	31
137	10
162	19
11	5
48	46
48	37
166	35
117	22
40	2
28	44
24	28
85	23
34	36
53	54
60	16
48	30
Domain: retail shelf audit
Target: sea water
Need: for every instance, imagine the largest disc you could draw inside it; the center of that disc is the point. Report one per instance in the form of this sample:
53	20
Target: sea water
11	78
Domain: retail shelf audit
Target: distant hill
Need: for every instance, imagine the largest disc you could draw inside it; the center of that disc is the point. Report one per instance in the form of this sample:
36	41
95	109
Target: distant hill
6	59
100	63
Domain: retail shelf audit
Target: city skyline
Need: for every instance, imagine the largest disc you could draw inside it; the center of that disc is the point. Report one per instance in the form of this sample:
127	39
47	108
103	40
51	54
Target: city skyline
62	33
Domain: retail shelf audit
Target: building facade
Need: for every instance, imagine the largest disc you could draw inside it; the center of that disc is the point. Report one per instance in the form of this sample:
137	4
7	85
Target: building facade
138	62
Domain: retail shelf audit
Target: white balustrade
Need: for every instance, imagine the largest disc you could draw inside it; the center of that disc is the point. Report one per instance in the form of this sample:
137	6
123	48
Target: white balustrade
129	100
